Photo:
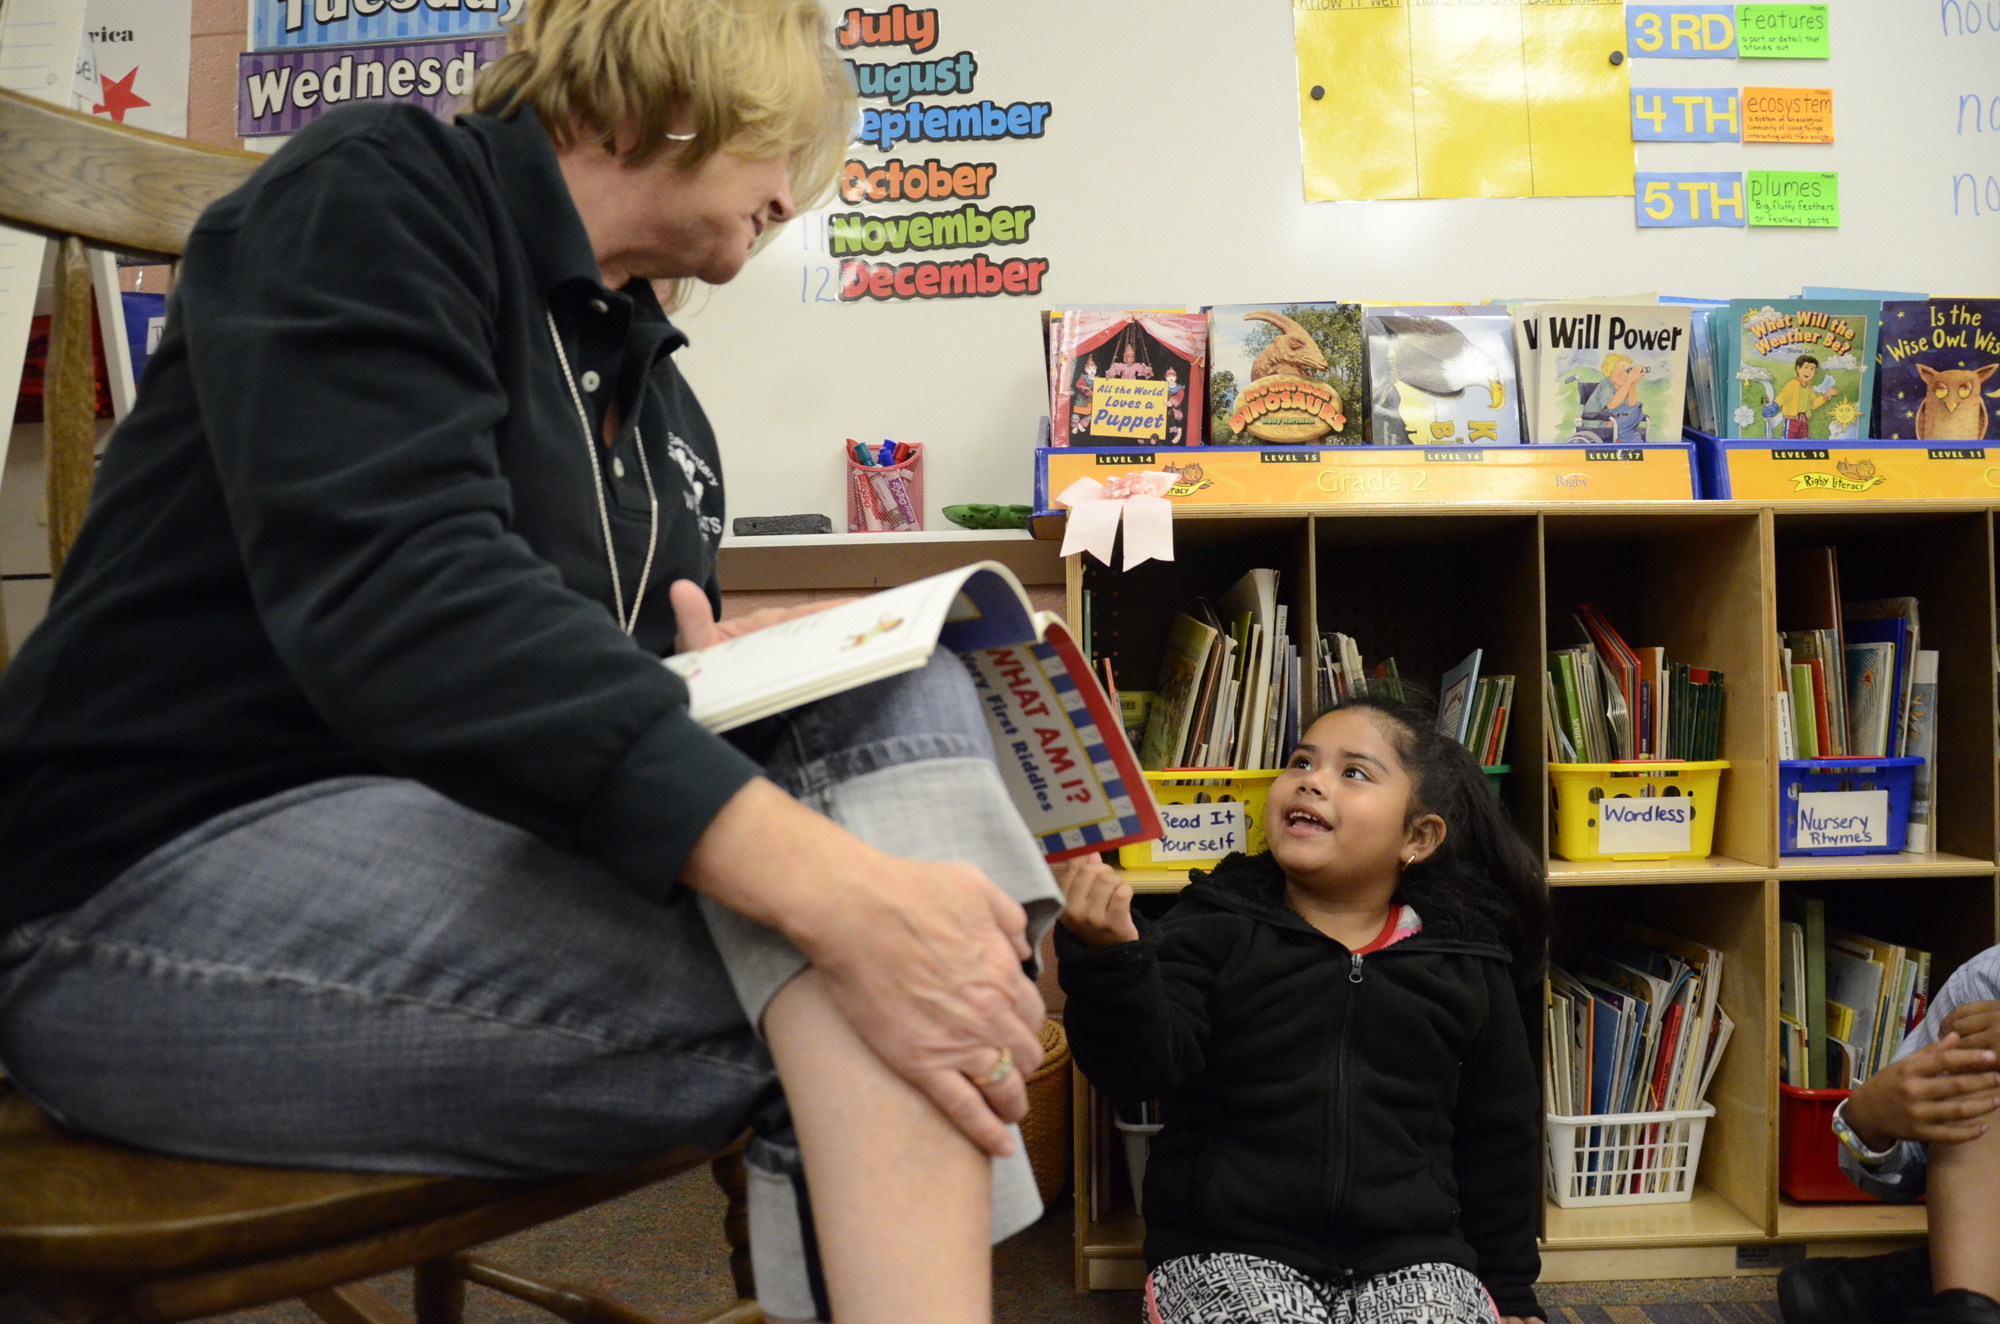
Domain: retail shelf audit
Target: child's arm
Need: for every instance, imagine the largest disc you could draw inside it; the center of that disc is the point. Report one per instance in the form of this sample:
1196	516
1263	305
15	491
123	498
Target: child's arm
1497	1152
1137	1015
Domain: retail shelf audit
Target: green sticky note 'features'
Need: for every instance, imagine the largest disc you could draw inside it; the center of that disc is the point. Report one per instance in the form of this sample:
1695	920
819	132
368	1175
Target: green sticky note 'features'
1783	32
1794	197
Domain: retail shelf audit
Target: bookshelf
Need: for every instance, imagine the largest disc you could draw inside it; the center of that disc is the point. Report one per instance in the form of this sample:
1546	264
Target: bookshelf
1427	585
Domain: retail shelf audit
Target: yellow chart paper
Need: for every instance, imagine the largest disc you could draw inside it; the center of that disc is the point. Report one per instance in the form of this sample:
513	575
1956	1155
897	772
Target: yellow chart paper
1462	98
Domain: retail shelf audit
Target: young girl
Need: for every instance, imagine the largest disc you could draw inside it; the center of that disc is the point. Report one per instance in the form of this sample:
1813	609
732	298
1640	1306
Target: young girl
1353	1129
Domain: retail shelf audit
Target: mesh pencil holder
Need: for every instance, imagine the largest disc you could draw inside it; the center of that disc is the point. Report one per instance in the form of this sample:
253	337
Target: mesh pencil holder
1625	1158
886	498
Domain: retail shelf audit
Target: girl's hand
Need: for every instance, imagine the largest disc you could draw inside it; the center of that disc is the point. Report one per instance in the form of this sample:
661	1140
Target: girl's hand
1516	1319
1097	903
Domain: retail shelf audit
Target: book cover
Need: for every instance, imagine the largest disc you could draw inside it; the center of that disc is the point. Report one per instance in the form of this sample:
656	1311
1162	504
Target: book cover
1923	745
1611	374
1286	375
1810	914
1455	696
1871	689
1177	691
1939	358
1127	377
1441	381
1802	369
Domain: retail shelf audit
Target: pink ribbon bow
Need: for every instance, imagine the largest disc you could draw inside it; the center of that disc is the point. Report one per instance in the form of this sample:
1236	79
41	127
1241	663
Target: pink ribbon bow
1139	499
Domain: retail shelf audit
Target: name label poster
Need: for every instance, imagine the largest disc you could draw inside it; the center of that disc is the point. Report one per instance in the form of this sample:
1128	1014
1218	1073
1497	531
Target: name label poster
1645	826
1830	819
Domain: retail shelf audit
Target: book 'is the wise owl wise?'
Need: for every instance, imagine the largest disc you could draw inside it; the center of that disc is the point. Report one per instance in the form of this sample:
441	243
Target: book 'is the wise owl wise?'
1060	745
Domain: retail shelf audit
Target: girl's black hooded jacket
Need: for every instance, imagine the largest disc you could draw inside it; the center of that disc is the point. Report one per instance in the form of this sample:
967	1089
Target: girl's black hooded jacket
1346	1115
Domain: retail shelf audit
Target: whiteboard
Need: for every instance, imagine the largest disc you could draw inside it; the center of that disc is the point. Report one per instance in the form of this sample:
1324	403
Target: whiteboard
1169	175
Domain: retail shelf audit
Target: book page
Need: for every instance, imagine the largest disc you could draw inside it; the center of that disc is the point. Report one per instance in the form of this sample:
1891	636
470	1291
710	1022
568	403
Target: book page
766	672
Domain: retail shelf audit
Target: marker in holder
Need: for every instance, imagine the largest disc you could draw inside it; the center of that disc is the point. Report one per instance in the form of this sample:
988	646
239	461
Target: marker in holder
886	498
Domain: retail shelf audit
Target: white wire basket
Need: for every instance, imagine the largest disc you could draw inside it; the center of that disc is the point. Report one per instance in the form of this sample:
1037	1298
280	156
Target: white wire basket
1625	1158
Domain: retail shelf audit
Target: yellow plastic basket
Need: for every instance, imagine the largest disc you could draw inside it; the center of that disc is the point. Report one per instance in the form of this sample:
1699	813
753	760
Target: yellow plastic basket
1582	787
1220	786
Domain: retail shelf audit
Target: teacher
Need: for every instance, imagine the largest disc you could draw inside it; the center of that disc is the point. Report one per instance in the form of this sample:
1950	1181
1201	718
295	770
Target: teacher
347	816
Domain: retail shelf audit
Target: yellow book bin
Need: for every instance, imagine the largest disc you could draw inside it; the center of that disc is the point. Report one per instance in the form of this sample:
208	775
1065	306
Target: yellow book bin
1234	819
1640	810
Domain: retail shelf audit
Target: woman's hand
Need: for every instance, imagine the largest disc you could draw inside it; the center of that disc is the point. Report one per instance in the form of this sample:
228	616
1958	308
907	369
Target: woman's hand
1936	1095
922	958
699	628
1097	903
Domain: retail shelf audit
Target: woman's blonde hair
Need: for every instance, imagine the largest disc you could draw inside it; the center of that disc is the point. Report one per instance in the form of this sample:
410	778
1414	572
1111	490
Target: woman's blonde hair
759	76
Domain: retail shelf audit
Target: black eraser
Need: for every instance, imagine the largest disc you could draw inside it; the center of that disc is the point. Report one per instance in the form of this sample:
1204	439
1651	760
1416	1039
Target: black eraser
756	526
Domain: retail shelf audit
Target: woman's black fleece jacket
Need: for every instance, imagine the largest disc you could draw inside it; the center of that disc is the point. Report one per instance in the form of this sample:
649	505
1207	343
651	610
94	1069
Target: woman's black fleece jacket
1342	1114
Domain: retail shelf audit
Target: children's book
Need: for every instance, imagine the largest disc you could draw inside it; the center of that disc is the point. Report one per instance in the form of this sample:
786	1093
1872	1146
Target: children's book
1284	374
1178	691
1455	696
1127	377
1441	380
1939	363
1800	369
1922	744
1060	744
1871	698
1611	374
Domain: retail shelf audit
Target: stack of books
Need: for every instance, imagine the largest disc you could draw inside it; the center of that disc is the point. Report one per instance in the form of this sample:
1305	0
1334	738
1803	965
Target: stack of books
1857	683
1609	701
1845	1000
1229	688
1472	709
1636	1027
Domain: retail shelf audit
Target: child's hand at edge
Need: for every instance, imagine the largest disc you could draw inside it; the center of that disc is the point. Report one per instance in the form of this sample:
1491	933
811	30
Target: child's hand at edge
1516	1319
1936	1095
1097	903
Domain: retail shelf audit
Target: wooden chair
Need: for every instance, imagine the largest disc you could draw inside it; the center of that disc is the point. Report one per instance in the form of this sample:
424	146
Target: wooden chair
99	1232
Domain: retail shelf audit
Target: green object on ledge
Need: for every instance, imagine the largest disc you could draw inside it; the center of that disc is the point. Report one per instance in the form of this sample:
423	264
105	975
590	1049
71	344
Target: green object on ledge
989	517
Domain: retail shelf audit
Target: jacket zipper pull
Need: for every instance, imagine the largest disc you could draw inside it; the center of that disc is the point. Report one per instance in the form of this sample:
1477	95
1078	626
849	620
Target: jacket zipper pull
1354	975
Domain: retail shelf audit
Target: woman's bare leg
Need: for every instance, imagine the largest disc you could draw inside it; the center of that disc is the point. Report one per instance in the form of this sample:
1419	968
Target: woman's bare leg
1965	1215
900	1197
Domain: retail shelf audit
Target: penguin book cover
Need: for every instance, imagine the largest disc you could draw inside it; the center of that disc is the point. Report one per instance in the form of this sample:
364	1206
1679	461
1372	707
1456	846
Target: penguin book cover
1610	374
1286	374
1441	381
1800	369
1940	370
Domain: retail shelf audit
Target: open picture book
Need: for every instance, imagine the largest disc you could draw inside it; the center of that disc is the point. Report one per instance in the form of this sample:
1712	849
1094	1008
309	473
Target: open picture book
1061	747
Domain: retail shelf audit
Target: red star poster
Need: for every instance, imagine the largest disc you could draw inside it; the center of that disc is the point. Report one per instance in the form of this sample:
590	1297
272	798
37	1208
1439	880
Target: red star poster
133	67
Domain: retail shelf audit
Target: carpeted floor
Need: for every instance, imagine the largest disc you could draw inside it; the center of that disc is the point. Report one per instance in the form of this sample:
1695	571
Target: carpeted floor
661	1251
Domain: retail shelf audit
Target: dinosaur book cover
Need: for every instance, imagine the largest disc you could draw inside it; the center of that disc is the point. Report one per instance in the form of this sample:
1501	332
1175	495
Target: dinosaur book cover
1800	369
1937	366
1286	374
1441	381
1127	376
1610	374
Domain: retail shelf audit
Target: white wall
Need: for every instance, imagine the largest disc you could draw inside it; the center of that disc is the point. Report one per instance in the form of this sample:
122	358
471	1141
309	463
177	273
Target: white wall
1200	98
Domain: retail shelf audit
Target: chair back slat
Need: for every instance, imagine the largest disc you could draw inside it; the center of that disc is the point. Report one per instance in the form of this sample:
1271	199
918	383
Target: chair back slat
78	179
69	402
62	172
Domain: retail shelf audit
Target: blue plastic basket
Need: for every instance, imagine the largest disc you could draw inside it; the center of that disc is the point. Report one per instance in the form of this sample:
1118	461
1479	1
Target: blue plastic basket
1796	776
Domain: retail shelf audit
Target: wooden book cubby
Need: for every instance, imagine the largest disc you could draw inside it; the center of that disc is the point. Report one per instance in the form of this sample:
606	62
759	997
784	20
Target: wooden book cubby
1427	586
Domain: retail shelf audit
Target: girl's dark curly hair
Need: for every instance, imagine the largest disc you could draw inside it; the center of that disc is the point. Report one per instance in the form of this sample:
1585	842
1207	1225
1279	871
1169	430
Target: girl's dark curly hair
1484	875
